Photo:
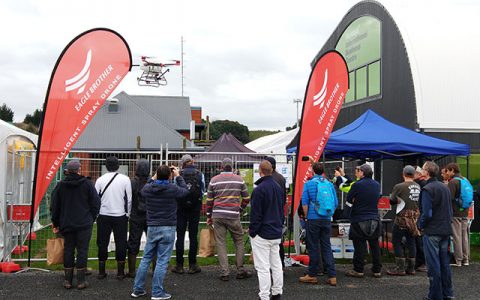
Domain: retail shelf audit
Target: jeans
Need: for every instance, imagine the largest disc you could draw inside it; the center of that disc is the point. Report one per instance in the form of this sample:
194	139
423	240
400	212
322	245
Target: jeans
360	247
438	264
190	219
105	226
76	240
160	241
318	236
420	256
266	258
220	227
397	236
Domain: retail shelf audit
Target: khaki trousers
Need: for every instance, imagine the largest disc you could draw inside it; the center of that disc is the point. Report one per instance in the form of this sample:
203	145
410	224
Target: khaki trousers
460	240
220	227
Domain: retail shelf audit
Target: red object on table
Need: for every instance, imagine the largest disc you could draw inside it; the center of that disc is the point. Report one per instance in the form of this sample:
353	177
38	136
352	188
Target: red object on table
384	203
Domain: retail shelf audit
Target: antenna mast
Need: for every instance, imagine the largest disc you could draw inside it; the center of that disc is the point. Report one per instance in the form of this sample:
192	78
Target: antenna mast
181	55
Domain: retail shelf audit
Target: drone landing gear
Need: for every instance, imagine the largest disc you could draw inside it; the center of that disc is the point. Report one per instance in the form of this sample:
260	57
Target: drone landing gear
152	79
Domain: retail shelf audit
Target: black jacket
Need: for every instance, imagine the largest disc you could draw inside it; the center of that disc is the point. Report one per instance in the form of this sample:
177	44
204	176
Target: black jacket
436	210
142	173
362	200
75	204
161	199
266	214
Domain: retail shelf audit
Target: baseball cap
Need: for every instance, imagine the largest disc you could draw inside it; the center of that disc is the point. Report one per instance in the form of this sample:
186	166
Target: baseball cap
409	170
73	165
365	168
227	162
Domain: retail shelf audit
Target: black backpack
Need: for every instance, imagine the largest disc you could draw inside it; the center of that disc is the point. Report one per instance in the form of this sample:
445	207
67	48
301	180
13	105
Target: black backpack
192	179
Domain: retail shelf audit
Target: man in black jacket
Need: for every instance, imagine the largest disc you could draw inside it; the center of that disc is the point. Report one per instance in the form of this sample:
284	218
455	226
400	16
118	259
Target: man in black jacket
265	230
138	218
75	206
436	224
188	215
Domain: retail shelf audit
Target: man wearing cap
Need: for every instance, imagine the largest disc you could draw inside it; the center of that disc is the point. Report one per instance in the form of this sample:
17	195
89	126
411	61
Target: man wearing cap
188	215
280	180
223	211
405	196
115	192
362	208
74	208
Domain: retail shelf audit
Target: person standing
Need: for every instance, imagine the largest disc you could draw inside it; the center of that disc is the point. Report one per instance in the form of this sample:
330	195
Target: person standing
461	244
74	208
188	215
436	224
405	195
138	218
115	192
223	211
319	226
362	209
161	194
282	182
420	256
265	230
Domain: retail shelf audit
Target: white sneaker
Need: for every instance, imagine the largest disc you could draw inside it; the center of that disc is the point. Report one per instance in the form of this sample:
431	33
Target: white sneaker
163	297
465	263
138	294
455	265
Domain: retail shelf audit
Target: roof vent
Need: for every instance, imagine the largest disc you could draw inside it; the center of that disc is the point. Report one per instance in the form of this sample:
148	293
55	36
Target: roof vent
113	105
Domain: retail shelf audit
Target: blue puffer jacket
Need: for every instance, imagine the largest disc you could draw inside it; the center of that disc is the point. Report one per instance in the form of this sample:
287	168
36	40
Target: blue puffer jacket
161	201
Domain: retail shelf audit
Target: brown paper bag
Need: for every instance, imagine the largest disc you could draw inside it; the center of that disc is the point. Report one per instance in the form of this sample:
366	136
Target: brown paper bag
207	242
54	251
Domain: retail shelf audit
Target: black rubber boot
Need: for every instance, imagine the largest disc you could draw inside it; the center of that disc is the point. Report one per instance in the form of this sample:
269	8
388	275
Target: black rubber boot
399	270
67	282
81	283
132	262
101	270
120	270
410	270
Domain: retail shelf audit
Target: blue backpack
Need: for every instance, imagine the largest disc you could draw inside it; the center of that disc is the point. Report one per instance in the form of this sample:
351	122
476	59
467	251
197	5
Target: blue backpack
325	202
465	199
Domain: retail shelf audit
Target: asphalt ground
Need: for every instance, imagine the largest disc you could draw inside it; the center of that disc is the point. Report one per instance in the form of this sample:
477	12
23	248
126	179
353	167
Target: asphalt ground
206	285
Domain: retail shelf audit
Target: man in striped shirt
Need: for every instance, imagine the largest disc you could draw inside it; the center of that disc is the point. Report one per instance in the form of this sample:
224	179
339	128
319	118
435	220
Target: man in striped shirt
223	211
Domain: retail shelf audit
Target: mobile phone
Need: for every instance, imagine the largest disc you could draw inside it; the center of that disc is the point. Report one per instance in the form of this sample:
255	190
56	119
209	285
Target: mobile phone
305	158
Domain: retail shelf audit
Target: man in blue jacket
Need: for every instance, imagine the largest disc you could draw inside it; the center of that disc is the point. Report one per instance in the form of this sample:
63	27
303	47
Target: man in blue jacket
161	196
319	227
436	224
266	223
362	209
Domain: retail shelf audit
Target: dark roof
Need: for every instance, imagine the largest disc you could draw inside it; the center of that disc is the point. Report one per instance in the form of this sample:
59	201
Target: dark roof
142	116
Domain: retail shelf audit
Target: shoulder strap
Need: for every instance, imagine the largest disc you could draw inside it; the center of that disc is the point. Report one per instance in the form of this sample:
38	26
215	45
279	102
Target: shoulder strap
106	187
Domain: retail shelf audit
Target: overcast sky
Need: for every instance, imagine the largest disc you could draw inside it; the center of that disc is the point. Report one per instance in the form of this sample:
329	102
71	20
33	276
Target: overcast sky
244	60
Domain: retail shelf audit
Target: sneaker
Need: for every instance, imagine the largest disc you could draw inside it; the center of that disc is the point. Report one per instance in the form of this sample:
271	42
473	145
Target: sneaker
308	279
421	268
353	273
136	294
377	275
332	281
225	277
244	274
178	269
194	269
465	263
455	265
165	296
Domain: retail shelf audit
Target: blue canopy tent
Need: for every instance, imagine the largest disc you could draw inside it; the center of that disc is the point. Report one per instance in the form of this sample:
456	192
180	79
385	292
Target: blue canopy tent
373	137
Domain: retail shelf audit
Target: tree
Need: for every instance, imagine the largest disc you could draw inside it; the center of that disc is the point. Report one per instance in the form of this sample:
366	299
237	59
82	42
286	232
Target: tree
255	134
6	113
219	127
291	127
34	118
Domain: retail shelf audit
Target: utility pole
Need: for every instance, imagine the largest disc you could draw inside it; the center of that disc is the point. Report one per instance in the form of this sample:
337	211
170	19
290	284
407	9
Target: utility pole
297	101
182	61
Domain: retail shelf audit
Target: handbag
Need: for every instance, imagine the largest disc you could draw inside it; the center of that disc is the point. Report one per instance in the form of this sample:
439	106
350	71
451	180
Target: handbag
55	251
207	242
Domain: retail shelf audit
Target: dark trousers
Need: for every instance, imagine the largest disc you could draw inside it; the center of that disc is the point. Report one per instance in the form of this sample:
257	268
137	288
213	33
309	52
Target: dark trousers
360	246
318	234
135	231
78	240
105	226
397	236
420	256
187	219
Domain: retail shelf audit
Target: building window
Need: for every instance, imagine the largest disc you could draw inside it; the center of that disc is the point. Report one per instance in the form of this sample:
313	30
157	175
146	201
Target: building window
360	45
